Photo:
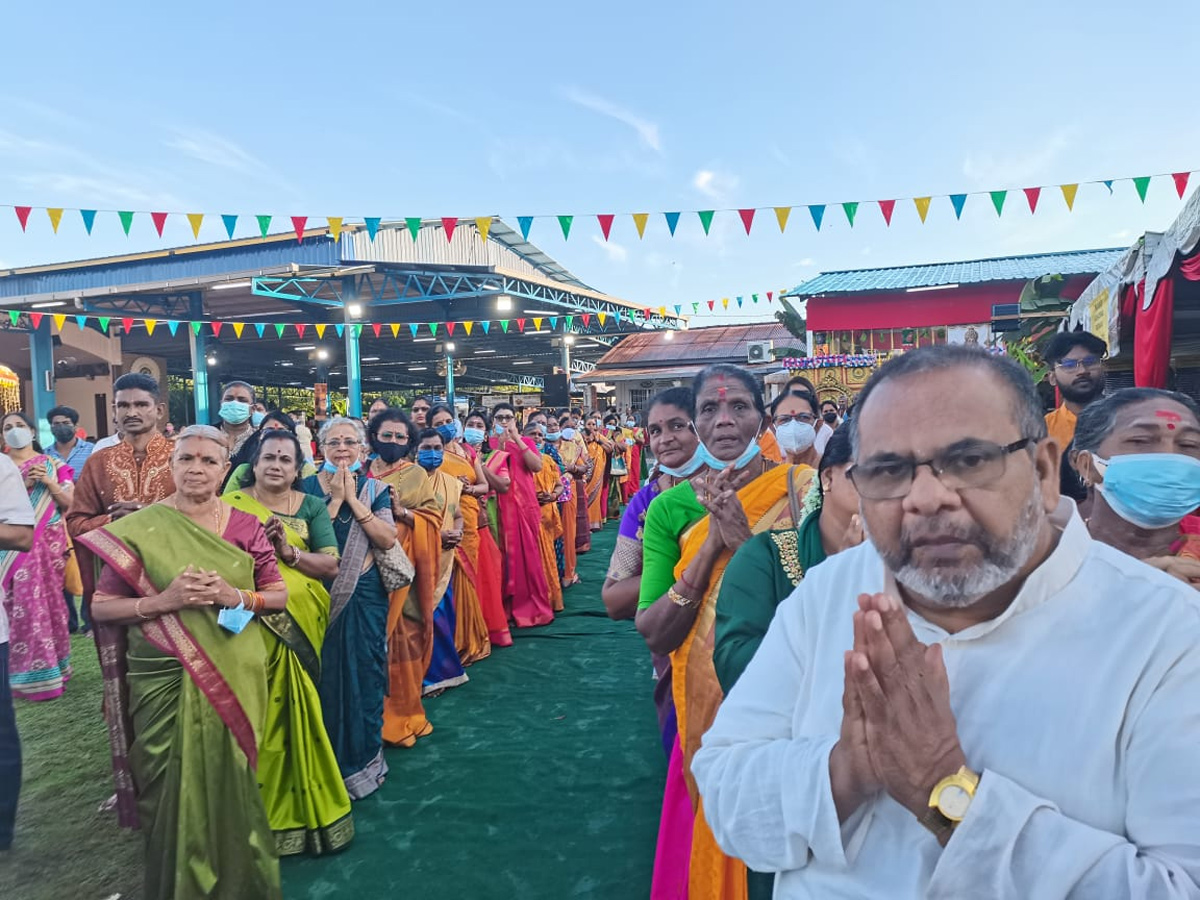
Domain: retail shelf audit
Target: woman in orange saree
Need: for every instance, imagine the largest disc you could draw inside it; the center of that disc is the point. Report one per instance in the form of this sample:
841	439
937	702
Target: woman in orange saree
567	508
490	570
410	609
684	560
548	485
574	452
596	480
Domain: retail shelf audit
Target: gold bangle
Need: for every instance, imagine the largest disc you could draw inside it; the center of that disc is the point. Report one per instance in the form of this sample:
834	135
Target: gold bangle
137	608
679	599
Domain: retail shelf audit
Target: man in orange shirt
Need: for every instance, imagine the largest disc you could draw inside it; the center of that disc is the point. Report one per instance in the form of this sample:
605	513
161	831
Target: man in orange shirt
1076	361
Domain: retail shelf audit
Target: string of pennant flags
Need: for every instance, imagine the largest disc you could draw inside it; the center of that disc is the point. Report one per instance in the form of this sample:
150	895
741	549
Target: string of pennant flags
748	215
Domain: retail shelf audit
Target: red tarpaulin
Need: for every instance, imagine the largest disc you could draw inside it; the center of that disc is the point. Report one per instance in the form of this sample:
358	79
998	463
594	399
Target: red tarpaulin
920	309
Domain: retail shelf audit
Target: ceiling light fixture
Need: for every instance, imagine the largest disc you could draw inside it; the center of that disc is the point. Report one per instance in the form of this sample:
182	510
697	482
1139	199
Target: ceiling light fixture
322	353
503	303
305	347
231	285
369	359
449	346
569	340
424	340
418	368
523	362
48	305
477	352
355	310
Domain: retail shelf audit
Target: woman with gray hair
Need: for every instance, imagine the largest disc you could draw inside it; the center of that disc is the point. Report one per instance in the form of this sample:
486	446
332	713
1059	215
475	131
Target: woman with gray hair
1138	451
354	656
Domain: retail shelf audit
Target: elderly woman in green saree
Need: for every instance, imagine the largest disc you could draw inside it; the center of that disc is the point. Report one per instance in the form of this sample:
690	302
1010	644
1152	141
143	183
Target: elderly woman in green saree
307	803
179	591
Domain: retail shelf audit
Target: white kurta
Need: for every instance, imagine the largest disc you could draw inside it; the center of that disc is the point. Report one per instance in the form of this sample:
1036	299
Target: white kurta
1080	707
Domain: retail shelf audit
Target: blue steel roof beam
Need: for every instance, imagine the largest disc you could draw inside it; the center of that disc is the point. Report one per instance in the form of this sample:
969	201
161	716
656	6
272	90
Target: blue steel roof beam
163	305
296	290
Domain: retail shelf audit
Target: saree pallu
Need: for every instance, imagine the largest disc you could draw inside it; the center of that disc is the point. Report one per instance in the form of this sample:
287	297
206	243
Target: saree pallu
633	483
549	530
526	591
770	501
471	631
185	702
489	582
307	805
445	669
596	484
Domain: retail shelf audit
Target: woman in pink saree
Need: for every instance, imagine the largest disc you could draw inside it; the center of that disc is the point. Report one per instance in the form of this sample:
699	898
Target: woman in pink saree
526	592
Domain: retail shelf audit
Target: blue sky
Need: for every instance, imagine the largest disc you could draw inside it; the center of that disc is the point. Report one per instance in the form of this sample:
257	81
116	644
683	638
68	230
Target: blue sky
544	108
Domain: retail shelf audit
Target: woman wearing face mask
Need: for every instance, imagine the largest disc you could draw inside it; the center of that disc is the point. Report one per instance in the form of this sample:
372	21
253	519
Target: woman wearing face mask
40	638
515	461
793	419
548	488
616	445
418	526
635	439
797	384
578	464
471	628
596	441
491	563
267	423
568	503
1138	451
691	532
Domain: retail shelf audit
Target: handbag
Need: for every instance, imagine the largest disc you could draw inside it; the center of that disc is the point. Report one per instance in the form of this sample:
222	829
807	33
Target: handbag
395	568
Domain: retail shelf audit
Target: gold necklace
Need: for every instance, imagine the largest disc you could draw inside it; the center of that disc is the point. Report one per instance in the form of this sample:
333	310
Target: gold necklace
290	513
216	513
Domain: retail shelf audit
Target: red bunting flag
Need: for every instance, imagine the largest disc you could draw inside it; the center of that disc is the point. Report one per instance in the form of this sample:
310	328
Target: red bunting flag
376	327
159	219
605	224
521	325
450	329
300	328
127	324
216	327
449	223
23	215
1032	195
36	318
770	296
587	317
1181	182
298	223
887	207
711	304
747	218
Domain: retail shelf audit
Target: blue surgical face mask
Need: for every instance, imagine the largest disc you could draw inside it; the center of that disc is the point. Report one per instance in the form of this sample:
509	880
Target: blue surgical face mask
235	412
687	470
1150	490
473	436
256	418
327	466
568	434
718	465
498	430
448	432
554	436
429	459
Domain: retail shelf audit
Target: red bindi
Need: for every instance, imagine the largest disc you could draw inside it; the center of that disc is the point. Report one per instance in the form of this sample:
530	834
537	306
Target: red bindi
721	392
1172	417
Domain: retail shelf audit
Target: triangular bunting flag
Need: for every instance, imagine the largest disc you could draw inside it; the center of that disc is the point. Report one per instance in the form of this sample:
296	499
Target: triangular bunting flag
372	223
216	328
320	327
851	210
554	323
238	328
55	214
151	324
662	311
450	328
754	297
23	215
639	222
126	324
1069	191
781	216
672	221
521	325
818	214
264	224
706	217
587	319
433	328
739	299
570	322
375	327
695	308
605	220
1181	182
279	326
14	316
483	224
770	296
678	308
81	321
449	223
357	327
998	198
126	218
887	207
335	226
1142	184
195	220
922	204
414	225
230	223
89	218
61	320
413	326
603	316
537	323
725	303
504	325
1108	184
298	223
525	223
564	222
747	216
260	327
711	304
195	326
467	326
160	220
36	319
958	201
300	328
486	325
172	326
340	328
395	329
1032	195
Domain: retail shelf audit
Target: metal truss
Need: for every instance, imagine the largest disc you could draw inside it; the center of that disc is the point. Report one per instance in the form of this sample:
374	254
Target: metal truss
165	306
582	366
533	381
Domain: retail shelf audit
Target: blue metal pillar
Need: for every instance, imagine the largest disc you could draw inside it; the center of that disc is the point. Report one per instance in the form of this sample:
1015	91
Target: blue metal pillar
198	344
41	363
450	379
354	391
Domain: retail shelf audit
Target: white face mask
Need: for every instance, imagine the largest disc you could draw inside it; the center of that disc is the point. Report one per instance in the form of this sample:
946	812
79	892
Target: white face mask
18	438
795	436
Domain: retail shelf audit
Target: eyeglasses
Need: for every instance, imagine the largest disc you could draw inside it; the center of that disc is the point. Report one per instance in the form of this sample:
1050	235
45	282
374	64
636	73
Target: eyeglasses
396	436
421	409
348	442
802	417
967	464
503	417
1088	362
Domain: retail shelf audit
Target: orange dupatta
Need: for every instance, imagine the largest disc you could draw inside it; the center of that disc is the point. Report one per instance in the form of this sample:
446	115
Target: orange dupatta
771	501
550	529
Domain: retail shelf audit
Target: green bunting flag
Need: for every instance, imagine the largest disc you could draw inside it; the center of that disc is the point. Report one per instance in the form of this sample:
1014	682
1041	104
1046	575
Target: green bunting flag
126	221
264	224
851	210
706	217
103	320
414	225
15	316
570	322
998	198
433	327
357	329
195	327
564	222
504	325
1142	184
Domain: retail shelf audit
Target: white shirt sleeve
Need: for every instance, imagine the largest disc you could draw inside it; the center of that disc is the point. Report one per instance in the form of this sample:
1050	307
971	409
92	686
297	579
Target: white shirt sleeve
767	796
15	508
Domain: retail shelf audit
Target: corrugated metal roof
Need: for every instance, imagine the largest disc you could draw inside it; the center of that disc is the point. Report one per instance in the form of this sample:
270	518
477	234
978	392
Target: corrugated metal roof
723	343
659	373
975	271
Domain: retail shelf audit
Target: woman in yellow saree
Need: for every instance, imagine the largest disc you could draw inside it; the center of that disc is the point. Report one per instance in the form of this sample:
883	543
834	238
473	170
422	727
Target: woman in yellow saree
690	534
548	484
307	803
597	483
178	586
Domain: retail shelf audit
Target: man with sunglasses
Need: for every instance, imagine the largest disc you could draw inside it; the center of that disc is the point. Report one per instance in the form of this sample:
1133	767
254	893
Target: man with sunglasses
982	700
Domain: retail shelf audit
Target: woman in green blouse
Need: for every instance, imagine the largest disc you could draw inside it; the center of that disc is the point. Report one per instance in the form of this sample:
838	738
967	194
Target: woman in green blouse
767	568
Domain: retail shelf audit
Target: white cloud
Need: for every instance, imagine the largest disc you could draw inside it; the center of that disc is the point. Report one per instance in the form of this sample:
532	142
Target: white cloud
615	252
807	263
714	184
646	130
215	150
1029	168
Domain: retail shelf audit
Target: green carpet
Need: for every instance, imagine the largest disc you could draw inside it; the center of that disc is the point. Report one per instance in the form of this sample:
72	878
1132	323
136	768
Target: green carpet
543	777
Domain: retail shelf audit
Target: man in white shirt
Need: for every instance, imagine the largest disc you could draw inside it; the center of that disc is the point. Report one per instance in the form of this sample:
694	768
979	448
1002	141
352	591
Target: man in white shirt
16	535
980	702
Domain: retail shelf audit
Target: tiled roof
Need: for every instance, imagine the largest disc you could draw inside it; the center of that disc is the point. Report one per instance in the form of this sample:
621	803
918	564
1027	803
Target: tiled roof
724	343
976	271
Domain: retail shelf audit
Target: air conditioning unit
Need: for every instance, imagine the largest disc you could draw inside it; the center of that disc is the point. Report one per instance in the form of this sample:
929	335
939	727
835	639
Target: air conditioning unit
759	351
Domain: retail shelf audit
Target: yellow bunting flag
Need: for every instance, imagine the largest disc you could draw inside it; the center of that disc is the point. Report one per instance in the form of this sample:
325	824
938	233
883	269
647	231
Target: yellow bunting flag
603	317
150	324
55	215
781	214
467	326
639	219
922	207
725	302
537	324
195	220
1069	191
335	226
237	328
59	322
320	327
395	329
483	224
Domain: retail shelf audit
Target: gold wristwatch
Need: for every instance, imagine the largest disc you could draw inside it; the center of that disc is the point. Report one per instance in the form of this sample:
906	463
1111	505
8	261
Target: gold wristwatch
949	801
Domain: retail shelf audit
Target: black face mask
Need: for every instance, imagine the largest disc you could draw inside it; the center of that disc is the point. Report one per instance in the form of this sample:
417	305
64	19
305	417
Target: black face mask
830	417
391	453
63	433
